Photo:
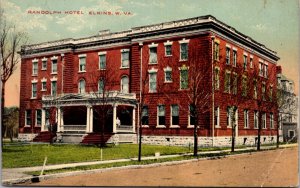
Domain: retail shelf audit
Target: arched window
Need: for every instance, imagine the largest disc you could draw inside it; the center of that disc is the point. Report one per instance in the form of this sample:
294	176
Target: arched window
125	84
101	85
81	86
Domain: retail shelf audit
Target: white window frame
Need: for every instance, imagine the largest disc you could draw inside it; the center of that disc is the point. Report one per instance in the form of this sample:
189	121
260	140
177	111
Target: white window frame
226	87
234	83
54	59
125	51
80	57
289	134
36	117
44	62
234	54
122	84
99	56
145	125
251	61
81	90
101	90
26	117
228	51
153	60
217	114
44	83
171	116
152	72
35	67
52	81
216	50
168	69
183	68
271	120
184	41
157	123
228	116
168	44
217	78
189	118
264	121
34	83
246	118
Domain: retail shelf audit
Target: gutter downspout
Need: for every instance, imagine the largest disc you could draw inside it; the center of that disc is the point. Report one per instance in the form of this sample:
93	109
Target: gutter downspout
212	88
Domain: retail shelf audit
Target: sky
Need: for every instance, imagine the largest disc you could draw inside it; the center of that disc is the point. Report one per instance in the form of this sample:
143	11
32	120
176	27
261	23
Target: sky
274	23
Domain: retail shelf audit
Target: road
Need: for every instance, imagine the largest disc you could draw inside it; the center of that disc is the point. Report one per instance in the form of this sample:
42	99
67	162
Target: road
267	168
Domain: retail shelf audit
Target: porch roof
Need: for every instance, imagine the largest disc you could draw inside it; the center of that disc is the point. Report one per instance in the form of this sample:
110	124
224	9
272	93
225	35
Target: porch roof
85	99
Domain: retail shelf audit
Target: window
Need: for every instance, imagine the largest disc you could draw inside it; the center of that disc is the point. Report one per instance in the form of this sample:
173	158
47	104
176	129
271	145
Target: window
44	85
271	93
291	133
228	120
235	79
38	117
44	64
153	55
244	86
256	119
184	78
217	116
27	117
263	91
217	78
192	119
81	86
168	50
168	74
175	114
255	89
145	115
34	68
227	82
271	121
152	80
161	115
264	121
261	68
53	88
102	61
234	58
125	58
54	66
216	50
34	90
183	51
251	62
82	63
246	118
266	71
101	85
245	62
125	84
227	55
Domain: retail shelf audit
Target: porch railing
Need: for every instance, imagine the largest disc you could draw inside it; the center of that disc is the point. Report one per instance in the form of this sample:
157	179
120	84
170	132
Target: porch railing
74	128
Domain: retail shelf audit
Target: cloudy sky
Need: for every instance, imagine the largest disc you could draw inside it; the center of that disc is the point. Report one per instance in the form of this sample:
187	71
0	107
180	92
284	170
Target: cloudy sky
275	23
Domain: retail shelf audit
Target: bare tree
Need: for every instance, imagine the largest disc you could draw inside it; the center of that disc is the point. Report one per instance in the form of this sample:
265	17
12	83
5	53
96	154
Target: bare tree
10	42
11	119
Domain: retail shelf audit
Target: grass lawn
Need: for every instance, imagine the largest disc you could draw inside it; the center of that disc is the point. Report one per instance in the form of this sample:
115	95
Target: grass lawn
33	155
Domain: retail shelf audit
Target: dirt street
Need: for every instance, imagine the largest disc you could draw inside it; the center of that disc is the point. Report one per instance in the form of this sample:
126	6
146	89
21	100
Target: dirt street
268	168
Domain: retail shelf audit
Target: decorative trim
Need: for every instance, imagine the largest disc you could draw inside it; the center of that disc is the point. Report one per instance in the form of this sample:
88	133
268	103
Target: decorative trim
53	79
44	59
34	81
152	70
251	56
102	53
184	41
44	79
81	55
35	60
124	50
228	46
168	43
245	53
54	58
152	45
167	69
234	48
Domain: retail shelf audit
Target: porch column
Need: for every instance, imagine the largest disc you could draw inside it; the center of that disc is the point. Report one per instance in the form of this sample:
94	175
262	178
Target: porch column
133	120
43	127
114	118
91	120
88	109
59	120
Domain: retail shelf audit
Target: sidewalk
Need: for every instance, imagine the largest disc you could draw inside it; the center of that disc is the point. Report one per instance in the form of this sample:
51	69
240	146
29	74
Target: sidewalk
17	175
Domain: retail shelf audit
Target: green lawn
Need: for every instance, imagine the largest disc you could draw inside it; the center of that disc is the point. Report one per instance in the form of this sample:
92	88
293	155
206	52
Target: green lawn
33	155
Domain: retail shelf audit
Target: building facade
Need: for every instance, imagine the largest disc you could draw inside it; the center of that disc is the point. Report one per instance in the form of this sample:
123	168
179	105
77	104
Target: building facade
288	108
167	77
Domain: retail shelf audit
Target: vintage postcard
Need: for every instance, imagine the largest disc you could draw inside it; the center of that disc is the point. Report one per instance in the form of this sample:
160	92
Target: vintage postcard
191	93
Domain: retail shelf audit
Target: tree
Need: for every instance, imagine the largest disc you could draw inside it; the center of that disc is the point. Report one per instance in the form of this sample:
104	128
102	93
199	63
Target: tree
10	41
11	122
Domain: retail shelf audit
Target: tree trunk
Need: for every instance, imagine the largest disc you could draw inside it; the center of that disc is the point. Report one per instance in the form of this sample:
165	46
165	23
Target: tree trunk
233	138
277	139
2	111
258	136
195	141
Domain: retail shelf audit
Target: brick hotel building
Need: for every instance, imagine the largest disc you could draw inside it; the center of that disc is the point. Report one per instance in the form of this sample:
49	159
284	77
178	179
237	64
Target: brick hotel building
150	69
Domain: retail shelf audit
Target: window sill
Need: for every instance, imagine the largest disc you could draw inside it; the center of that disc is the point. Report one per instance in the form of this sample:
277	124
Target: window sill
27	126
81	71
160	126
32	98
217	126
34	75
182	60
190	126
124	67
43	69
175	126
145	126
168	55
53	73
152	63
168	82
38	126
152	91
